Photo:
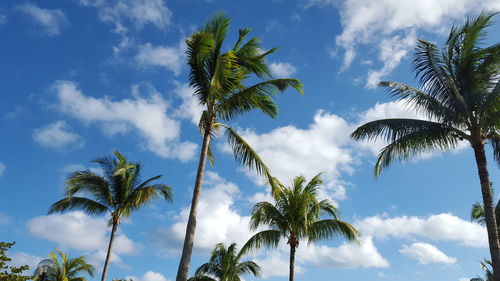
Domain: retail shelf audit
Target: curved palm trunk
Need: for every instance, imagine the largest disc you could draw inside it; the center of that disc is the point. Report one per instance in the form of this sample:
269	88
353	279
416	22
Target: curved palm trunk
108	255
293	248
489	211
182	272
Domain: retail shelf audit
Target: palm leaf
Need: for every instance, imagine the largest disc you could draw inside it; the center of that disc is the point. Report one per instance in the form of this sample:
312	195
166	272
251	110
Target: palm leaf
86	205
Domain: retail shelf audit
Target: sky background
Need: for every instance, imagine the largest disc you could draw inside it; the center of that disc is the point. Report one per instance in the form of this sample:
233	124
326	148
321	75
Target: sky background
79	79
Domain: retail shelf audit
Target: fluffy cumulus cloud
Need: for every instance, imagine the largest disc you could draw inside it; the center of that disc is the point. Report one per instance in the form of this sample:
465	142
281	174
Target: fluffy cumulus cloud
321	147
219	220
190	107
170	58
21	258
347	256
57	136
52	21
282	69
392	26
426	253
137	12
148	276
145	115
441	227
75	230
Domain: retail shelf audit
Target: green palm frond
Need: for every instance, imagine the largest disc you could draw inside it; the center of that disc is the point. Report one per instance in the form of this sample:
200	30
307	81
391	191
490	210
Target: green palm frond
245	154
265	238
477	213
332	228
265	213
250	267
415	143
86	205
70	269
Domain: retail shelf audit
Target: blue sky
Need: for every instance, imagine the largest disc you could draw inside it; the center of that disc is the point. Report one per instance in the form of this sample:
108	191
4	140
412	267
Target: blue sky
83	78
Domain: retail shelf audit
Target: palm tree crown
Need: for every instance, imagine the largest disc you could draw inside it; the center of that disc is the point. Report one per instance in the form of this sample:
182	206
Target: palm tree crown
70	269
225	265
119	191
460	95
296	215
219	79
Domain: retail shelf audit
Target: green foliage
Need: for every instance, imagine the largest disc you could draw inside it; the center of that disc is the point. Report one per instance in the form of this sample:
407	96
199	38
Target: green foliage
225	265
218	79
70	269
118	191
297	214
459	93
10	273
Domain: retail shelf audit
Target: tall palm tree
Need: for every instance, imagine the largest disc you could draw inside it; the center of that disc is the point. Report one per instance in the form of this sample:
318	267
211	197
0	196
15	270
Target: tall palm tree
218	79
296	215
460	94
69	269
225	265
119	191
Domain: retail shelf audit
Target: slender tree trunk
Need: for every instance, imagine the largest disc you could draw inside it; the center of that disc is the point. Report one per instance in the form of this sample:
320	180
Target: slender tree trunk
182	272
293	248
489	211
108	255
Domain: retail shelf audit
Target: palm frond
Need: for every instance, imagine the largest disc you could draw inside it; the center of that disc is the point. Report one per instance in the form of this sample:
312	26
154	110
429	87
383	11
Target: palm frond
86	205
266	238
430	137
250	267
245	154
331	228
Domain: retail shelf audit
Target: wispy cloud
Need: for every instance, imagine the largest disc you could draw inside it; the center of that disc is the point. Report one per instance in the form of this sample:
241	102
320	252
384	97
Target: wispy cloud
52	21
57	136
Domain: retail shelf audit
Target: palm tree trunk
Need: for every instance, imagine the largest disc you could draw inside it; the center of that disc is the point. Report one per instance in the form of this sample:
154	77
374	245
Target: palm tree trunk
293	248
489	211
187	249
108	255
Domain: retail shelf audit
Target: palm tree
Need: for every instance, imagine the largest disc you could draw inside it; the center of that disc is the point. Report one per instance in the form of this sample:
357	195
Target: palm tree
118	191
477	212
296	214
69	269
225	265
218	79
460	94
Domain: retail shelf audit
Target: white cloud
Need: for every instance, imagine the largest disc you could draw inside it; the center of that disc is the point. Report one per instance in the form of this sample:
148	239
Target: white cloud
276	263
392	51
321	147
219	220
76	230
348	255
464	279
147	116
57	136
51	20
190	107
170	58
21	258
441	227
148	276
2	169
426	253
387	21
282	69
137	12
